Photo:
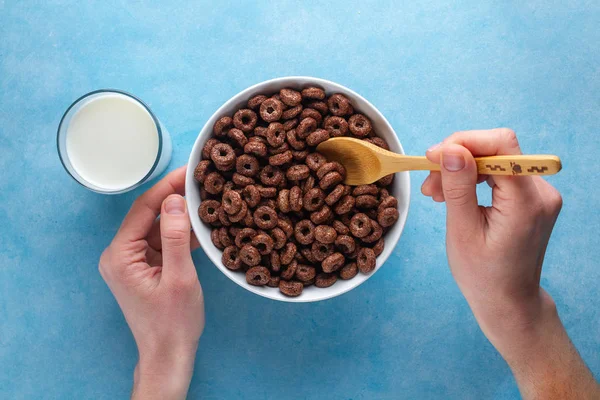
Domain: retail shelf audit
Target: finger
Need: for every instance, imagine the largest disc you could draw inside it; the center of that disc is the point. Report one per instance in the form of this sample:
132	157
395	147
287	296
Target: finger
175	235
146	208
459	182
425	187
194	243
154	239
490	181
436	185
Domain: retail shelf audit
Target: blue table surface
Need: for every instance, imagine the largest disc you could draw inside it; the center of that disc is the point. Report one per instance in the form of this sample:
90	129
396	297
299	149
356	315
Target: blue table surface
429	66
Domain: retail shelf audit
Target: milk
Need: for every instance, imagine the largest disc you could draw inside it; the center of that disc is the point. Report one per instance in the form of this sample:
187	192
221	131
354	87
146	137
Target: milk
112	141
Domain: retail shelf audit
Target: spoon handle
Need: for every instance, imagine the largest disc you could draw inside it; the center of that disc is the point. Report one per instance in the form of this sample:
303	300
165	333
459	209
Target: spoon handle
494	165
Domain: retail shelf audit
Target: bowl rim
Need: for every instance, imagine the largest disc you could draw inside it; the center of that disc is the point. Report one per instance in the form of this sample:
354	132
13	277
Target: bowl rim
190	183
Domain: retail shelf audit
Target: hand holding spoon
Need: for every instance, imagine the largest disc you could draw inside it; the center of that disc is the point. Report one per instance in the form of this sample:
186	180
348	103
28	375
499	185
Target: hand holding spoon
366	163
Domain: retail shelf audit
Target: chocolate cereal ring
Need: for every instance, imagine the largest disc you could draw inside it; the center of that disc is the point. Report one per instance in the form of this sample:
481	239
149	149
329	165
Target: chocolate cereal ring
202	170
305	273
340	228
378	248
274	281
271	110
245	120
335	195
290	97
332	166
275	262
366	201
320	106
249	255
271	176
286	255
320	251
283	201
387	202
208	147
286	226
244	237
337	126
291	288
325	234
307	254
275	134
349	271
306	127
281	159
304	232
258	276
255	148
296	198
311	113
222	154
255	102
360	225
379	142
290	124
387	217
359	125
324	280
292	112
330	179
208	211
313	199
263	243
315	161
231	202
386	180
231	258
376	233
293	140
222	125
300	155
333	262
339	105
237	217
365	189
344	206
216	240
318	136
297	172
313	93
214	183
224	237
321	216
223	217
247	165
265	217
279	238
308	184
366	260
345	243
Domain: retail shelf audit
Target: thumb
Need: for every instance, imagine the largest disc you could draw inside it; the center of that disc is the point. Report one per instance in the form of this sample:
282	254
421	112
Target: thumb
175	236
459	183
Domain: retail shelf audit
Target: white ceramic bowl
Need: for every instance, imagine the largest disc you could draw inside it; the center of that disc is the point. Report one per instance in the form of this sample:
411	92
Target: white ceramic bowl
400	188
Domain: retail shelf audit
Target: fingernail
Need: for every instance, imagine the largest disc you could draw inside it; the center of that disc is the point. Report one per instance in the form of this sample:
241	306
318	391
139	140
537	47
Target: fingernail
175	205
453	162
435	146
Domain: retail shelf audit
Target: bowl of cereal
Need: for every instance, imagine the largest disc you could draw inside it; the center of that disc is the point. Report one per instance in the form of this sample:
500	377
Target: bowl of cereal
271	212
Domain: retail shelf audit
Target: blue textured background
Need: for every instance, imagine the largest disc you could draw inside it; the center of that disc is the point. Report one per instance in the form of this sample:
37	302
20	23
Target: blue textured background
430	67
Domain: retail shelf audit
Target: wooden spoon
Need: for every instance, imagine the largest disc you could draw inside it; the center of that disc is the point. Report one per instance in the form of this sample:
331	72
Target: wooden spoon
365	162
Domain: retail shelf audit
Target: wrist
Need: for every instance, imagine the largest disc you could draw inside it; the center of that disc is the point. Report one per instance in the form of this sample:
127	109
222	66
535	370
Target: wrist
164	374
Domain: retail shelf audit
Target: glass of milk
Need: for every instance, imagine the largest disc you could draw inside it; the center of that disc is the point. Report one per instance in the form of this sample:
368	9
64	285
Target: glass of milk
111	142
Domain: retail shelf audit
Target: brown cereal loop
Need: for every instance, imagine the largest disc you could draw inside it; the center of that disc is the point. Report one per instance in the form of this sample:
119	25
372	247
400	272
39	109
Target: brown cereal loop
279	238
349	271
238	138
263	243
231	202
386	180
296	198
260	132
231	258
286	255
318	136
305	273
201	170
379	142
248	220
297	172
283	201
222	125
273	282
337	126
376	233
366	201
293	140
208	147
256	101
290	97
237	217
271	176
387	202
366	260
339	105
359	125
308	184
290	124
224	237
320	106
315	161
216	240
251	195
242	180
313	93
300	155
245	120
214	183
255	148
271	110
335	195
322	216
244	237
291	289
360	225
345	205
306	127
275	261
325	234
265	217
313	199
345	243
321	251
311	113
224	217
275	134
333	262
378	248
267	192
222	154
289	269
365	189
304	232
281	159
329	180
258	276
292	112
387	217
340	228
307	254
332	166
249	255
286	226
324	280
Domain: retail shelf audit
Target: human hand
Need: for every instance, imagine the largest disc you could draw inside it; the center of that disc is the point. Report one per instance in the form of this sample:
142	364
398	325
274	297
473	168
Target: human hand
149	269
